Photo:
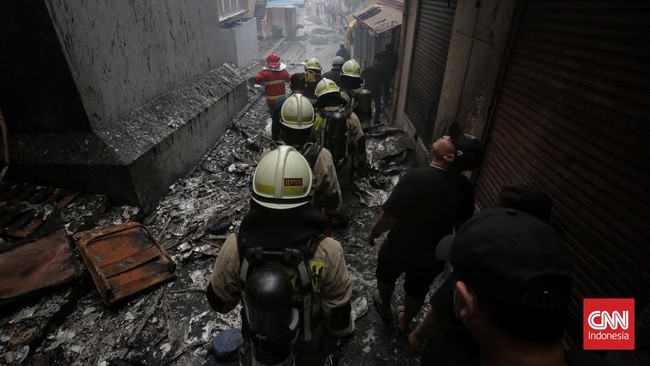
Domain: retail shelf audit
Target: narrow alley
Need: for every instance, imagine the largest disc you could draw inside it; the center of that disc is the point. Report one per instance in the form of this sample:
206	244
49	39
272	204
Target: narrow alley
131	132
173	324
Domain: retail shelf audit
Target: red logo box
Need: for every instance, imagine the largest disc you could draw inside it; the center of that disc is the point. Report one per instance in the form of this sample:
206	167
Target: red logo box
608	324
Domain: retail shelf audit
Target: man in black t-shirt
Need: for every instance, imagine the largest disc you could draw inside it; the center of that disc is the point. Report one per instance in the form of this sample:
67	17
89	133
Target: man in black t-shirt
425	206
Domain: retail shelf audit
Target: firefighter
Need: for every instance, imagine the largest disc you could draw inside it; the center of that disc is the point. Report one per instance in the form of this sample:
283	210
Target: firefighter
338	129
350	78
358	98
274	77
312	76
297	118
292	280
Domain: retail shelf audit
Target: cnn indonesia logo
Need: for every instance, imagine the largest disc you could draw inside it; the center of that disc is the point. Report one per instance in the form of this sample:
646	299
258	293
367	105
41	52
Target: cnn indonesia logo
608	324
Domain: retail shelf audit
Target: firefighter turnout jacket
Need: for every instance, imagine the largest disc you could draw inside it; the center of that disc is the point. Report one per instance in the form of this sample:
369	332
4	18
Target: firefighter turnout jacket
274	82
331	283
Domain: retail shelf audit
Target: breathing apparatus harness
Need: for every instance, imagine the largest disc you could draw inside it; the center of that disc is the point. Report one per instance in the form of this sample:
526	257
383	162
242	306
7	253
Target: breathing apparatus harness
310	151
334	134
267	290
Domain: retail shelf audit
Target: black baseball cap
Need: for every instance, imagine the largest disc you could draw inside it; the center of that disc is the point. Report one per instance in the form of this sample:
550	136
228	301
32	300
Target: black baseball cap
509	255
469	151
526	198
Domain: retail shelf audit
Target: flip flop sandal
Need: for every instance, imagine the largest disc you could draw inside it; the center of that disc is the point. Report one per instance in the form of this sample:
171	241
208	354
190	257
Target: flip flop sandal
384	316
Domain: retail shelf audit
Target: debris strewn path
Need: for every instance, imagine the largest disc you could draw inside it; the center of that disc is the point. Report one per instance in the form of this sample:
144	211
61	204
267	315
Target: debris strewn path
173	324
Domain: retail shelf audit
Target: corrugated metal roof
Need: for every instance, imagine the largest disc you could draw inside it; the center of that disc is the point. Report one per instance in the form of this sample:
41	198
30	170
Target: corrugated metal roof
365	5
395	4
379	18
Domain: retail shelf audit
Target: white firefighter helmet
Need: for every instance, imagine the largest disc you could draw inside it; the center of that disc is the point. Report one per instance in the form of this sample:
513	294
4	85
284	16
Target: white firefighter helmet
351	68
326	86
282	179
313	64
297	112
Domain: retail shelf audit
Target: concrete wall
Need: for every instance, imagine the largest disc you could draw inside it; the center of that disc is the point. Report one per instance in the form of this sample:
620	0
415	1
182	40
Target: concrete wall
250	8
123	53
247	49
239	42
135	158
153	172
476	53
119	98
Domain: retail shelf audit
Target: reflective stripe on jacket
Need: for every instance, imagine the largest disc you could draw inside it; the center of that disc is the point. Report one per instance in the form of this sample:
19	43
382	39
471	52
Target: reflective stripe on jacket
274	82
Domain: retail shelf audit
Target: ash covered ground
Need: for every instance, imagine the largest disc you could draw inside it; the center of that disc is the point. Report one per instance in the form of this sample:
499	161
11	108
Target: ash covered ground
172	324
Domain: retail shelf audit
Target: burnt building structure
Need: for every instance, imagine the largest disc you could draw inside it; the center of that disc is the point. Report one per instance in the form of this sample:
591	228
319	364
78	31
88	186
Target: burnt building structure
111	98
559	92
375	25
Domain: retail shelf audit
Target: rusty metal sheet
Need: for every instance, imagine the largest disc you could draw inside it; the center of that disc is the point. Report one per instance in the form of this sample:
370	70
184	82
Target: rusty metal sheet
124	260
35	266
366	4
18	216
379	18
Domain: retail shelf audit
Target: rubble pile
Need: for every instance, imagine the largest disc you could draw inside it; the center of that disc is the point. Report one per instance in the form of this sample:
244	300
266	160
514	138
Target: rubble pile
172	323
94	334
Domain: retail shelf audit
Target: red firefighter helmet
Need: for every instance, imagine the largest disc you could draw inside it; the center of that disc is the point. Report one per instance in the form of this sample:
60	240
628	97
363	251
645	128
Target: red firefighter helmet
273	61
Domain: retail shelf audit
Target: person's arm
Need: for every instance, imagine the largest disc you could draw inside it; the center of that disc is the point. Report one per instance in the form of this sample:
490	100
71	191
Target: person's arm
359	152
355	131
384	223
336	291
259	78
222	290
328	191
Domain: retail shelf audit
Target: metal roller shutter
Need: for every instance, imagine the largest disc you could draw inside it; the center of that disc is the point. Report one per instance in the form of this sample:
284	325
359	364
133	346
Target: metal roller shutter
573	117
432	36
